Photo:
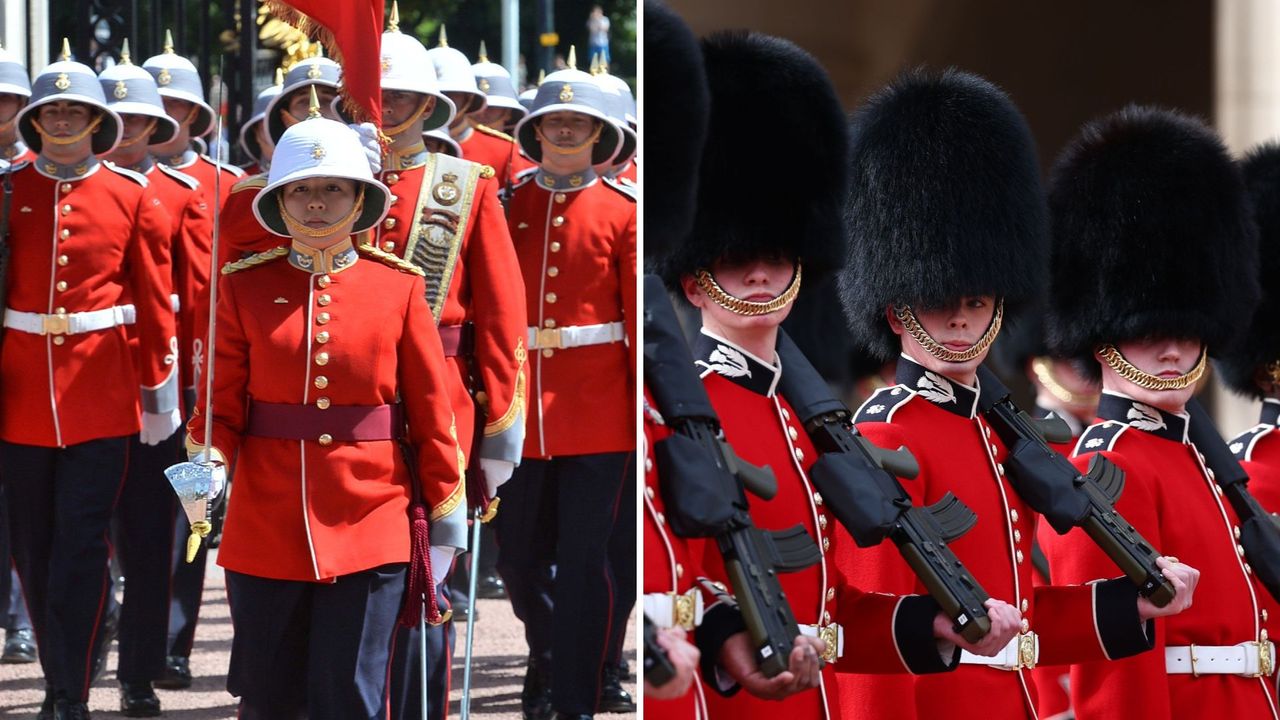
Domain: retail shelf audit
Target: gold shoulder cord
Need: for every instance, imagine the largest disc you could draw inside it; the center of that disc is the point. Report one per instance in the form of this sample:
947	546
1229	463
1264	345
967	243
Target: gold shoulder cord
1043	369
1143	379
738	306
936	349
255	260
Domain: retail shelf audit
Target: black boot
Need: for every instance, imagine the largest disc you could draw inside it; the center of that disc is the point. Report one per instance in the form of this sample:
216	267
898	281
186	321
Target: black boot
46	707
19	646
177	673
613	697
535	697
137	699
65	709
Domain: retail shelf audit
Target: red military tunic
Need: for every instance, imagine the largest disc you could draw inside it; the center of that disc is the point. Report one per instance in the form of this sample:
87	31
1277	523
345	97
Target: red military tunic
1171	499
575	238
482	144
83	239
670	567
17	153
240	233
205	170
883	633
465	247
1258	450
936	419
345	332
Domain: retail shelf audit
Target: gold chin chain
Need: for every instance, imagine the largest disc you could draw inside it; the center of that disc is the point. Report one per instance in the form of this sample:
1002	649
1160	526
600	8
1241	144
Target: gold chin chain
300	228
1043	369
1143	379
144	135
89	130
576	148
936	349
748	308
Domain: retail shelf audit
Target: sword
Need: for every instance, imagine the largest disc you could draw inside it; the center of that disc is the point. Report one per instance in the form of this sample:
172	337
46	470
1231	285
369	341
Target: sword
196	483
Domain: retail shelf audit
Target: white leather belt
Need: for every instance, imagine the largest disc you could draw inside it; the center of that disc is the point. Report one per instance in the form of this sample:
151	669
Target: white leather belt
1022	652
832	635
131	312
1248	659
674	610
68	324
575	336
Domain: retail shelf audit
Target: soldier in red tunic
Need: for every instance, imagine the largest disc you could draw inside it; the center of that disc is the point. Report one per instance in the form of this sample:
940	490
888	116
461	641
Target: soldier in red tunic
948	229
147	506
1251	366
1153	190
15	88
313	399
502	105
575	238
254	140
87	239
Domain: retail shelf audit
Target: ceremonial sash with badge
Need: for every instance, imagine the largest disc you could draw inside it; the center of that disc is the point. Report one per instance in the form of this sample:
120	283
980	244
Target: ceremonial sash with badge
440	223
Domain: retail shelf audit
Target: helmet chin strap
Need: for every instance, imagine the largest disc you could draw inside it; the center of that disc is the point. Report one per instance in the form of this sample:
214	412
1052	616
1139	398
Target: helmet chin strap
747	308
537	130
1143	379
144	135
91	128
913	328
297	226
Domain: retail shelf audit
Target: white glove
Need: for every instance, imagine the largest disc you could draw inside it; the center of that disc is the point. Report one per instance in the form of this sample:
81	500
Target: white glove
158	427
496	472
368	133
441	562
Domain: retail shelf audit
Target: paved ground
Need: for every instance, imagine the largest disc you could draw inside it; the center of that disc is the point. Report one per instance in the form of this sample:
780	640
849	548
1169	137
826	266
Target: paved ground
496	677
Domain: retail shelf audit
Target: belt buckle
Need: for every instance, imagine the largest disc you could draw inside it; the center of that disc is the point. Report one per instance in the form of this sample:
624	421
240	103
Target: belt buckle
1194	672
1026	651
1266	664
548	338
830	634
683	610
56	324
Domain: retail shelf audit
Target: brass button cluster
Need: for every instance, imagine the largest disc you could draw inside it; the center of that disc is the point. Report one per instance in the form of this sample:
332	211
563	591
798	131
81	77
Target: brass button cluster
324	300
61	286
553	271
322	318
321	382
323	281
555	246
322	337
551	297
65	233
322	358
560	198
63	260
66	209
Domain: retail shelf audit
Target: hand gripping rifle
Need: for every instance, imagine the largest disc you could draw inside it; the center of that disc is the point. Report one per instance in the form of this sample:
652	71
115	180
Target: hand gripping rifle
658	669
859	483
1259	534
703	485
1052	486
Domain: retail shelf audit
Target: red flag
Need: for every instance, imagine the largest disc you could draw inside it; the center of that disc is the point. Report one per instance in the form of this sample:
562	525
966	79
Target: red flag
352	32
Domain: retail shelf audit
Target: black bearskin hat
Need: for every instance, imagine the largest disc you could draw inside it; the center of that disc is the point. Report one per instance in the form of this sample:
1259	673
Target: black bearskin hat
755	200
945	202
1152	236
676	125
1260	344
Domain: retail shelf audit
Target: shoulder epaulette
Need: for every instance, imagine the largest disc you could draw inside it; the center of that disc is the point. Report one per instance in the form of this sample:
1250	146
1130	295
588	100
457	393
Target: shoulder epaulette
496	133
1099	437
1242	445
233	169
131	174
181	177
524	177
487	171
390	260
253	182
627	191
882	404
255	260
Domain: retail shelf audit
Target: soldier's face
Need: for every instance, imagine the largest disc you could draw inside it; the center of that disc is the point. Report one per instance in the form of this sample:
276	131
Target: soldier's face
567	129
957	326
181	111
495	117
134	125
300	102
64	119
319	202
463	102
757	280
10	104
400	105
1162	357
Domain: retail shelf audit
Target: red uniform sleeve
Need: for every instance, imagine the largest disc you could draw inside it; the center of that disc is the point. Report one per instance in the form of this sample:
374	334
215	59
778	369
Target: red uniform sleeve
230	382
151	278
627	282
191	243
499	316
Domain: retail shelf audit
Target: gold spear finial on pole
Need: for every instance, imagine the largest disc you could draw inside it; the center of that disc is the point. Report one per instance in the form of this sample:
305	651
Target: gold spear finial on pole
168	42
393	23
314	111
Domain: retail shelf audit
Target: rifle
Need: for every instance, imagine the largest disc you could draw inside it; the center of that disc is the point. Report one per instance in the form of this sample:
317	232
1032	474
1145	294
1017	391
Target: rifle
1259	534
658	669
704	483
859	483
6	179
1052	486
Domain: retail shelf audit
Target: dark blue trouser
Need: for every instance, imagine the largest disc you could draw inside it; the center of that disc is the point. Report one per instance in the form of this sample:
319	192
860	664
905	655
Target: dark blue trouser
186	586
622	558
144	534
60	506
553	529
313	650
13	608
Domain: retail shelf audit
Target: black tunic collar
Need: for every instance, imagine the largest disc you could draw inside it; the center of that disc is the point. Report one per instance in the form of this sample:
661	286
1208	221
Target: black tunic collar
713	353
938	389
1124	409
